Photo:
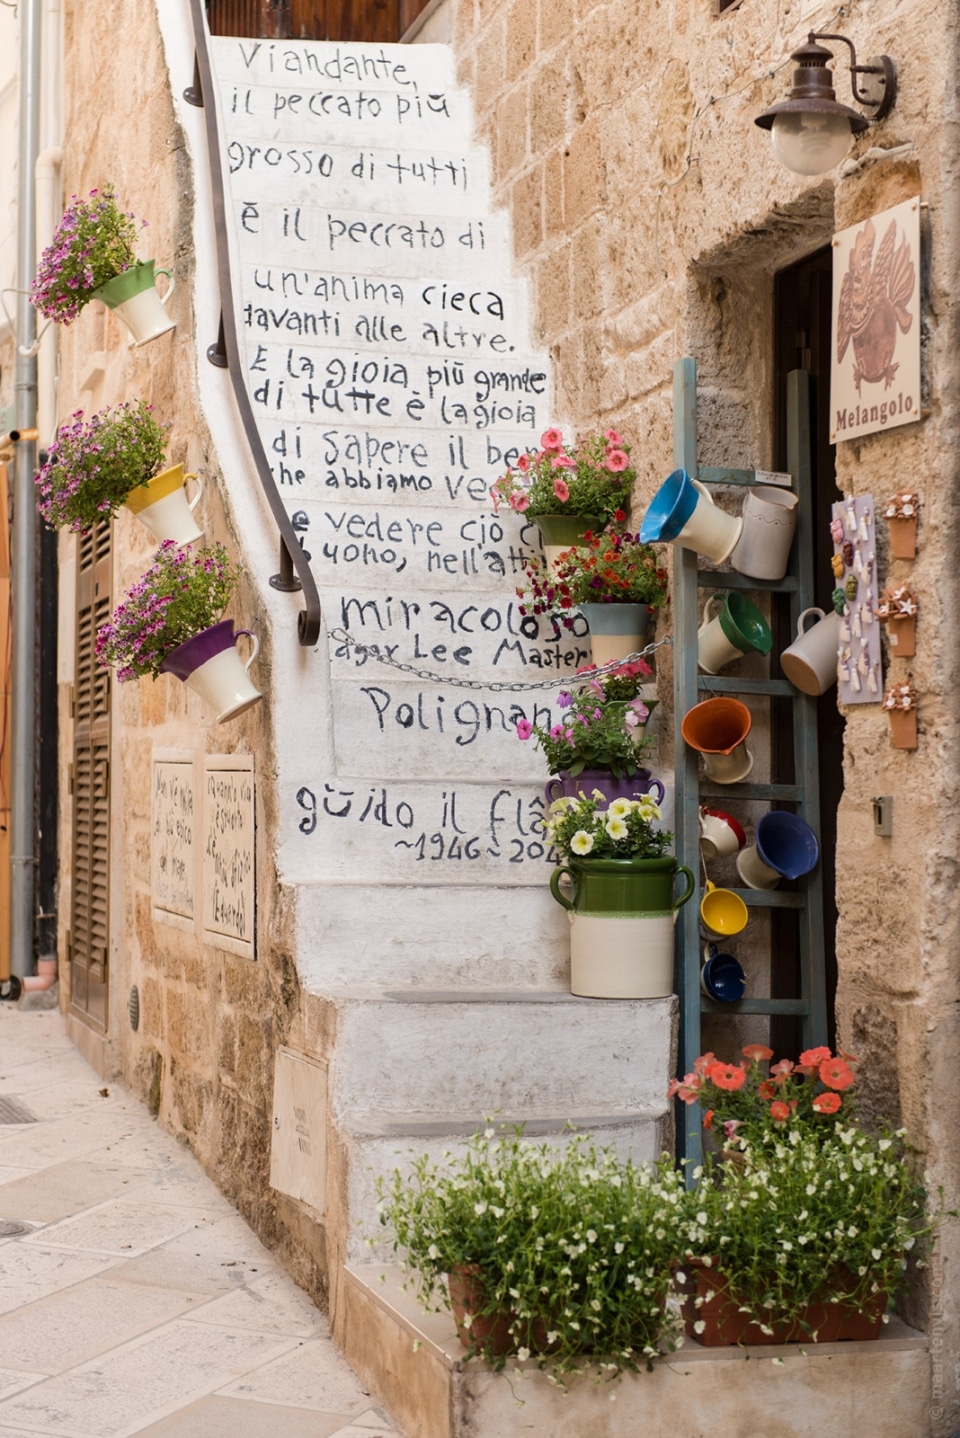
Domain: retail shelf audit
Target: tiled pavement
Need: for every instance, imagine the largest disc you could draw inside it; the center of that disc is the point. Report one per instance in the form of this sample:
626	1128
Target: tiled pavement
138	1301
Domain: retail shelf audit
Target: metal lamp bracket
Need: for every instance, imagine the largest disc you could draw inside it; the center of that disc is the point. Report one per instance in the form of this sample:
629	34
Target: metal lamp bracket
877	91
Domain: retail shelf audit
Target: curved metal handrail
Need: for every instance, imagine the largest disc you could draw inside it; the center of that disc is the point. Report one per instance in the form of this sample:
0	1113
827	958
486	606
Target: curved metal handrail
227	351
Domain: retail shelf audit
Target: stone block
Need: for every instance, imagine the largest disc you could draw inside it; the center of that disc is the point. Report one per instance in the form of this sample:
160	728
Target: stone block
527	206
521	38
510	129
553	207
584	174
549	106
553	292
557	21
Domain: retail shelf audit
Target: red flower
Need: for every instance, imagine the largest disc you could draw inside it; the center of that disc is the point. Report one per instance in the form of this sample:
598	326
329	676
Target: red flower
727	1076
783	1068
757	1052
826	1102
705	1061
837	1074
779	1111
619	515
708	1118
767	1090
815	1056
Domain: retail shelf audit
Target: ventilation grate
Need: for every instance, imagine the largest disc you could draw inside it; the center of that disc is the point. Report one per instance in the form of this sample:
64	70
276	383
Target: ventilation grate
13	1111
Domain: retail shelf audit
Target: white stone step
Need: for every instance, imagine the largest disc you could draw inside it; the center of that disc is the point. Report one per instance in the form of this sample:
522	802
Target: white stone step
378	1144
497	938
483	1052
413	1363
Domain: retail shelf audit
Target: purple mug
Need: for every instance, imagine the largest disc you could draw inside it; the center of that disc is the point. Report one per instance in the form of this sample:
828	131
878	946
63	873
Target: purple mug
642	782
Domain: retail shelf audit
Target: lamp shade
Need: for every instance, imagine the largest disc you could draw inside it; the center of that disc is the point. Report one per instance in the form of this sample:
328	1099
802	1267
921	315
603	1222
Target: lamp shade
810	143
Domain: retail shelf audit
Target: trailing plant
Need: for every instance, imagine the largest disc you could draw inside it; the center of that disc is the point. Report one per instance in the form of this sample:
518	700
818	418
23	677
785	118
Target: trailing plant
181	594
620	829
92	466
591	477
803	1218
609	568
93	242
572	1246
602	727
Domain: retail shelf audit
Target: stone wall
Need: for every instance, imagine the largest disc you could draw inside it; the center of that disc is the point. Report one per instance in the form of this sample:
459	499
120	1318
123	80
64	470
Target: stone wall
653	216
210	1021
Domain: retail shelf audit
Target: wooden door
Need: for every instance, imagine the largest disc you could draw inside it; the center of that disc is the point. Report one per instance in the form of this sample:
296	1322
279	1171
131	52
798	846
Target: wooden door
88	941
369	21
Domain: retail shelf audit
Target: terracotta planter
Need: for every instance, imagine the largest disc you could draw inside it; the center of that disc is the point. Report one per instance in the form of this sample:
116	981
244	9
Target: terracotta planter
490	1331
725	1325
903	538
902	636
133	297
903	728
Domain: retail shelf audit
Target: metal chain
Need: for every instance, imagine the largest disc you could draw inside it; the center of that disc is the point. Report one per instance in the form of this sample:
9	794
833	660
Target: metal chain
494	686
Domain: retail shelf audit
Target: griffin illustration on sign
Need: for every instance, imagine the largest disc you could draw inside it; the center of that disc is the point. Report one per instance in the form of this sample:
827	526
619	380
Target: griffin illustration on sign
873	303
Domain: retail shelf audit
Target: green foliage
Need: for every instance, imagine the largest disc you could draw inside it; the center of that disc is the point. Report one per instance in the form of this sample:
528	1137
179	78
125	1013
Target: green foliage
573	1244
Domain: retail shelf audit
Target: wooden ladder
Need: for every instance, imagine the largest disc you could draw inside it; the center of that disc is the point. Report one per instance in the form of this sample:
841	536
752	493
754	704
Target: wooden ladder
690	687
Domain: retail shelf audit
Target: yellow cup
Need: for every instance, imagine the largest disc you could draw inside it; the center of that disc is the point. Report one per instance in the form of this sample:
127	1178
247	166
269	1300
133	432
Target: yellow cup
723	912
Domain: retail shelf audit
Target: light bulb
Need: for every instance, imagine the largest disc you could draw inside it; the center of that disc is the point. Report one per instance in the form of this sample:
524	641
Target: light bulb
810	142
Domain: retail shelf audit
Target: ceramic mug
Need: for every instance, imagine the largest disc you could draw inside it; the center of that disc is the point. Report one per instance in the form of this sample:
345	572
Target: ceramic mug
722	912
738	629
722	977
769	524
787	844
684	512
717	729
810	662
754	872
720	834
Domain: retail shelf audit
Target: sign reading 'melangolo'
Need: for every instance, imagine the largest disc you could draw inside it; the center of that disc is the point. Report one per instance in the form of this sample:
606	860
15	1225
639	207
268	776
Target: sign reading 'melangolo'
875	379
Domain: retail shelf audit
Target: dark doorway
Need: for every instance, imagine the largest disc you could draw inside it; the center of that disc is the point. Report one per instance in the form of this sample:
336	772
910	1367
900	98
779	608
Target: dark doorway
369	21
802	317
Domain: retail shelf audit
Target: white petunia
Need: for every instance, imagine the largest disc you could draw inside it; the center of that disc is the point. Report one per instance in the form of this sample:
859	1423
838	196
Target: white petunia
616	828
582	842
620	808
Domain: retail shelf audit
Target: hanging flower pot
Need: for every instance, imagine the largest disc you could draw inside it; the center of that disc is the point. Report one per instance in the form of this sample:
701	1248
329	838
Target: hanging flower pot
560	532
210	665
132	295
567	786
616	630
161	504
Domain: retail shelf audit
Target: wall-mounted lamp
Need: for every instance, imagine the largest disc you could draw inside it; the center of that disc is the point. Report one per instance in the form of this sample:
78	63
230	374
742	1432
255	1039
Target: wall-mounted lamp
811	130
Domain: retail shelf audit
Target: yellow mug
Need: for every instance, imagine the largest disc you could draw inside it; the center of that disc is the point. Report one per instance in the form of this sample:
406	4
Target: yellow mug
723	912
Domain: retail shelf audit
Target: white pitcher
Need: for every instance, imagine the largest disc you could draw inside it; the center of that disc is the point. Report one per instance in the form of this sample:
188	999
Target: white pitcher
769	524
709	530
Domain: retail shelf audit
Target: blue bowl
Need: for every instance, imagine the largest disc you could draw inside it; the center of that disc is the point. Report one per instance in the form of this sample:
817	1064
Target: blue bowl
722	978
669	509
787	844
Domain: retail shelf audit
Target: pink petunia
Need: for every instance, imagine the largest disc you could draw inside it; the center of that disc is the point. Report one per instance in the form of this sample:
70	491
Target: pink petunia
519	502
523	463
524	728
561	489
552	439
616	461
613	437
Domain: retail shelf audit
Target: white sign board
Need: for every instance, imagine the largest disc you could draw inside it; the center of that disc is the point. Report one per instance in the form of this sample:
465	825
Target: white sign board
875	379
229	870
172	848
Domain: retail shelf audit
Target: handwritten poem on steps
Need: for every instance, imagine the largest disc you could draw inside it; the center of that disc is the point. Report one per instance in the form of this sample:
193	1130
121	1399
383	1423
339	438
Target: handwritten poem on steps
388	360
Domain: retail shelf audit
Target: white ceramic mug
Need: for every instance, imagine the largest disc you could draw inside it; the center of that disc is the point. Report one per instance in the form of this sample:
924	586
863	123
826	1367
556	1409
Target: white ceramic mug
714	649
810	663
709	530
769	524
754	872
720	834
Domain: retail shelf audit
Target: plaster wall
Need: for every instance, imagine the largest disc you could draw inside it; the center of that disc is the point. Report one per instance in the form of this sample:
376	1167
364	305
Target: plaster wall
653	217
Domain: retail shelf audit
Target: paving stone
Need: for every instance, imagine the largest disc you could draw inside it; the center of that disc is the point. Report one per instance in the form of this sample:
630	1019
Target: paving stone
28	1273
229	1418
306	1378
269	1305
140	1382
63	1189
71	1327
13	1380
120	1227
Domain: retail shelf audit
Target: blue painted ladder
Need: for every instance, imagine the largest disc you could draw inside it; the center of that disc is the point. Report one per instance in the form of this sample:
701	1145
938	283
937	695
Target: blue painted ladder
689	688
